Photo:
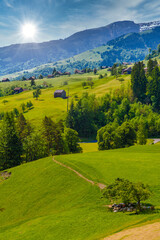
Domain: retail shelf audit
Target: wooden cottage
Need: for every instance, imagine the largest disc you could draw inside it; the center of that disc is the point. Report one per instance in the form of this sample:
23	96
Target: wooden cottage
50	76
32	78
60	93
146	70
127	71
5	80
18	90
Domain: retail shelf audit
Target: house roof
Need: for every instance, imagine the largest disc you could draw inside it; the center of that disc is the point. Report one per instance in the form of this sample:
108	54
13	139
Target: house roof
18	88
59	72
59	91
32	78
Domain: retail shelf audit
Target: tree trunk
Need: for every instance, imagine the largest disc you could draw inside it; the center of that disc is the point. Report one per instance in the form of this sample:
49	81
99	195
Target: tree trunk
139	206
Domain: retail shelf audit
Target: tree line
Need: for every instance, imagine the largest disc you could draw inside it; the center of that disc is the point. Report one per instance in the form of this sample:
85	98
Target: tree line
20	142
125	116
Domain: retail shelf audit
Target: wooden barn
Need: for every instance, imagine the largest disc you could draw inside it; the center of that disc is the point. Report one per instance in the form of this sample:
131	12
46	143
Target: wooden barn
18	90
60	93
5	80
32	78
127	71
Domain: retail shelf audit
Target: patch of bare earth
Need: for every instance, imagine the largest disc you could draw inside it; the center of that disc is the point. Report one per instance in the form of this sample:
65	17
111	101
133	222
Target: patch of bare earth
147	232
4	175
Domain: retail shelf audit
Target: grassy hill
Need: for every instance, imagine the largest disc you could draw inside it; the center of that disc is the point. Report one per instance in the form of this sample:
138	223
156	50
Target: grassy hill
57	108
42	200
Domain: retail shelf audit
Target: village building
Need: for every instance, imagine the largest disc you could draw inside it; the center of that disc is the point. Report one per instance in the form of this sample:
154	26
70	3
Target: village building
18	90
32	78
146	70
103	67
127	71
5	80
67	73
50	76
59	73
60	93
78	71
109	69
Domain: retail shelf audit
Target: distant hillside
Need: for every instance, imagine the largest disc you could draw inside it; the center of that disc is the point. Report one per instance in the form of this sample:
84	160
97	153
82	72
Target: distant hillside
18	57
127	48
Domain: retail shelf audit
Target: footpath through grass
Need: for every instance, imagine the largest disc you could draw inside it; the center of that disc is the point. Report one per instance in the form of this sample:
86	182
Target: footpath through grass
42	200
137	163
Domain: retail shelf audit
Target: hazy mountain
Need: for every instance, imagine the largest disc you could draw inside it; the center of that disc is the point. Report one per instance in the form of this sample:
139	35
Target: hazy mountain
149	26
131	47
26	56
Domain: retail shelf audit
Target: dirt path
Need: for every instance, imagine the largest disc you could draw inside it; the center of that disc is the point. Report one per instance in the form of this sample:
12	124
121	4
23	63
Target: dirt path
147	232
100	185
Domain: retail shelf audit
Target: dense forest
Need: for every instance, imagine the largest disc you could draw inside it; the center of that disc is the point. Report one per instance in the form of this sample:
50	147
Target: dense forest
120	118
124	116
20	142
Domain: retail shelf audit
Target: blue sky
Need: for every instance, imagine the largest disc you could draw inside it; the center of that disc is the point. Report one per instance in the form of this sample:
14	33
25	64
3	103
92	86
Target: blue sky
56	19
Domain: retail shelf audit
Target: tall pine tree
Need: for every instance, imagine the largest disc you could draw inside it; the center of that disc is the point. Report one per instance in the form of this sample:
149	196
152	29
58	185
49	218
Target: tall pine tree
53	135
154	89
139	81
10	144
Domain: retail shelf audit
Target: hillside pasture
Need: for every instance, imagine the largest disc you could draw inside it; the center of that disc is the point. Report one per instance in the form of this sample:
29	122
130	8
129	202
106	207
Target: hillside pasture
42	200
46	105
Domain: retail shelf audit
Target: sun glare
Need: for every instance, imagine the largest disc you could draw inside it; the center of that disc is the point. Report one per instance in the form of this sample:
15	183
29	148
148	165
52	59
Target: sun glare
29	31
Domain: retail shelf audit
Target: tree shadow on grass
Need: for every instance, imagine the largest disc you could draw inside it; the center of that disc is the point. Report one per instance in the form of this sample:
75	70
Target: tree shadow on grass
149	209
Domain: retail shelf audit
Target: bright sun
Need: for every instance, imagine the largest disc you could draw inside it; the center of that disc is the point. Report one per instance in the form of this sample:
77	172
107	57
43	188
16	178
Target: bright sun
29	30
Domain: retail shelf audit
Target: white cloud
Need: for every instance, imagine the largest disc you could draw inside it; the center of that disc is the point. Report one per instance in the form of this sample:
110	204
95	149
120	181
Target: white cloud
9	3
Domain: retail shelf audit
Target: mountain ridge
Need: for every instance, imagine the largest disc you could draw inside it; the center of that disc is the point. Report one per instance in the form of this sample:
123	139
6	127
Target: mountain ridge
19	57
131	47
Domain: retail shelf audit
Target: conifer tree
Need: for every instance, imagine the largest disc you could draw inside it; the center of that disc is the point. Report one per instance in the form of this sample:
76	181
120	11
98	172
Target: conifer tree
139	81
33	83
24	129
53	136
150	66
154	88
10	144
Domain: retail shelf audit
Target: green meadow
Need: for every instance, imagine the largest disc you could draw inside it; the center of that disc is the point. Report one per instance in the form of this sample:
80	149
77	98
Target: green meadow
46	105
89	147
43	200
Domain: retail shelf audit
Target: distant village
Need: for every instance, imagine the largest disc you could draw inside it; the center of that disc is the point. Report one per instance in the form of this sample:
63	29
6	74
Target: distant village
125	69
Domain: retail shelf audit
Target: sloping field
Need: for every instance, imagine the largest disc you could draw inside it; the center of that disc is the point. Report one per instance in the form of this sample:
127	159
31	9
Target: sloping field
46	105
43	200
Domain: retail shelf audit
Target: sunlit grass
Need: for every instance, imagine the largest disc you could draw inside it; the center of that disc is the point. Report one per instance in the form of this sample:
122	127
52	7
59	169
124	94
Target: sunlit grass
42	200
46	105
